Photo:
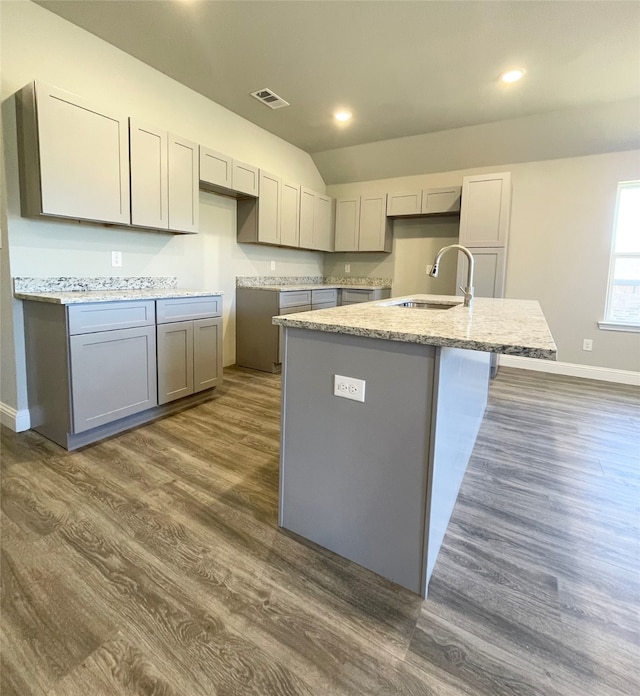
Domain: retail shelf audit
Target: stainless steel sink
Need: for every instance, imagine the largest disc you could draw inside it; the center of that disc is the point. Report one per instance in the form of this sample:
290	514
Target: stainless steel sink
422	304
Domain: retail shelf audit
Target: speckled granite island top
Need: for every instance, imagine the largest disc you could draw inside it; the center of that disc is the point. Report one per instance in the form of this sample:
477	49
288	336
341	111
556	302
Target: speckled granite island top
511	327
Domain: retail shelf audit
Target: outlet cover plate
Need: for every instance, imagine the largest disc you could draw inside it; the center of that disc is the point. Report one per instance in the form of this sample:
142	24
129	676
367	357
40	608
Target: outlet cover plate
348	388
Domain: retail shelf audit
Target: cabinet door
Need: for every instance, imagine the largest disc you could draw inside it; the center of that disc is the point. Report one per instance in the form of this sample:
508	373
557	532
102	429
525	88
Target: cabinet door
373	223
347	223
183	185
307	215
175	360
215	168
269	209
489	272
290	215
245	178
322	227
485	210
207	353
403	203
113	375
149	178
83	157
438	201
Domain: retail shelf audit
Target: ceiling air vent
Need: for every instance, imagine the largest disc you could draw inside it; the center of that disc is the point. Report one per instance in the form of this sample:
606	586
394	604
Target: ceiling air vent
271	99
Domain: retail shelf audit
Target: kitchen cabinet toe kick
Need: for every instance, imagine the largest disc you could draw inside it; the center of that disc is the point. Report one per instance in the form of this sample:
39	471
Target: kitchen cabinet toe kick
73	441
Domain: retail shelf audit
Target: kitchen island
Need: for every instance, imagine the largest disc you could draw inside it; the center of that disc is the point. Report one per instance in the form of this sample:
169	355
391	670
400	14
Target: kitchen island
371	468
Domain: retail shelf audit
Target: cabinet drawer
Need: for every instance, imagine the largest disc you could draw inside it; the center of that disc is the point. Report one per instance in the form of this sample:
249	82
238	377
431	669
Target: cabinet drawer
295	310
185	308
294	299
324	305
107	316
324	295
352	296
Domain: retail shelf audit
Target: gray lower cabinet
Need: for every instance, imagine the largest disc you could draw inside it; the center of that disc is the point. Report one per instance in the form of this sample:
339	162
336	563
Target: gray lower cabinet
189	336
189	357
259	343
350	296
94	369
113	375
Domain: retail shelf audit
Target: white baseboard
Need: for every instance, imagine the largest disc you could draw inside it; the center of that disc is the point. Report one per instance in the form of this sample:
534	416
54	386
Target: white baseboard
604	374
18	421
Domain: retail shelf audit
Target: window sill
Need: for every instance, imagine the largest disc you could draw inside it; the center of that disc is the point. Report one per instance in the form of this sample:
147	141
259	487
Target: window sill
618	326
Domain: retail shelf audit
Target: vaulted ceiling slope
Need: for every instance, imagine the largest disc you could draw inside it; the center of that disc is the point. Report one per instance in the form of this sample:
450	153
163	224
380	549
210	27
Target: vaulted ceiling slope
402	68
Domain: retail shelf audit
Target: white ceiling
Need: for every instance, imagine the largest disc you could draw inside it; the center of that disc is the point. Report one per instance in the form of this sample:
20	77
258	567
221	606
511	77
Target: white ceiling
402	68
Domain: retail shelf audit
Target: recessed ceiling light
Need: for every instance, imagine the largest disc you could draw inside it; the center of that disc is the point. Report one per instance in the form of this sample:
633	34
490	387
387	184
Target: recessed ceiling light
342	116
512	76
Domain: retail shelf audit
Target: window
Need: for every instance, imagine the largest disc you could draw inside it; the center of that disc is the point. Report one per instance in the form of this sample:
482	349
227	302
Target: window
623	294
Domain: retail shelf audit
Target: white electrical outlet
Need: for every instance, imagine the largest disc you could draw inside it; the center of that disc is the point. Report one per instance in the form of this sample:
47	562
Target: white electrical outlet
348	387
273	265
116	259
587	344
347	268
429	268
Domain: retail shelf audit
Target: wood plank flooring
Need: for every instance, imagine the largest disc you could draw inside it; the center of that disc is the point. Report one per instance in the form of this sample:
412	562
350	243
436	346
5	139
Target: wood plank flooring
152	563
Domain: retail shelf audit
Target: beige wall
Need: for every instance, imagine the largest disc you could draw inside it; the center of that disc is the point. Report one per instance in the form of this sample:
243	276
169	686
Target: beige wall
36	44
559	244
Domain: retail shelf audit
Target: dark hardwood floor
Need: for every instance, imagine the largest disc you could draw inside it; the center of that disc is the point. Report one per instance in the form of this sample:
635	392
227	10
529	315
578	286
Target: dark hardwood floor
152	563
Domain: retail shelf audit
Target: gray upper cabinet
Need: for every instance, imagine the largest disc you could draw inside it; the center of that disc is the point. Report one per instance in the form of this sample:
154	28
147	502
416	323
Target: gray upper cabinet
269	208
347	226
431	201
290	214
149	176
184	201
74	157
441	201
258	220
223	174
245	178
316	231
485	210
81	162
322	223
404	203
216	170
164	180
362	224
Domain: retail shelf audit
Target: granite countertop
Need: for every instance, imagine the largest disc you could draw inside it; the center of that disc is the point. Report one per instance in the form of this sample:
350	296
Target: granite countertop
318	286
84	290
510	327
88	296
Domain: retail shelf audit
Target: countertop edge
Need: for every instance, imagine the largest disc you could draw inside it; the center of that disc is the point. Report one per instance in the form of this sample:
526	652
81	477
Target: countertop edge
91	296
497	329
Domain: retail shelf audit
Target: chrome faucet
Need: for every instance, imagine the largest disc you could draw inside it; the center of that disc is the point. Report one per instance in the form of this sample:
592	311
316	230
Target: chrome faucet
468	290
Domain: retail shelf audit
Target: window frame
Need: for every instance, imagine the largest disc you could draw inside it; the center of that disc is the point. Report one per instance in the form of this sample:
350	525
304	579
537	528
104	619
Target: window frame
609	323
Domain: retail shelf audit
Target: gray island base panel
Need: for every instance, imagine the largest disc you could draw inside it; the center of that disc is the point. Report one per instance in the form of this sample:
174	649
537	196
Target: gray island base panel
376	482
